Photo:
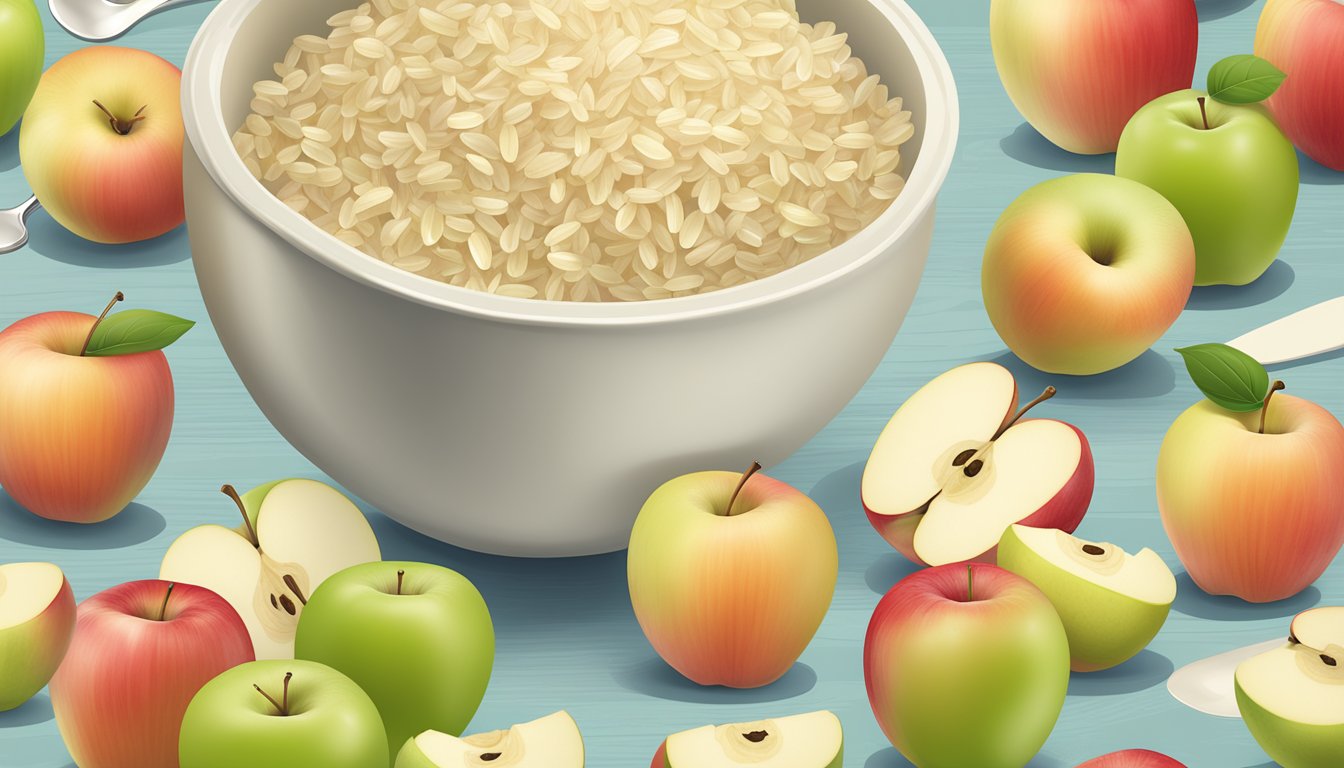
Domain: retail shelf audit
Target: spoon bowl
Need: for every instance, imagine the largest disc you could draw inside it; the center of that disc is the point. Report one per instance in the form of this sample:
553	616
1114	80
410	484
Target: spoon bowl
14	226
99	20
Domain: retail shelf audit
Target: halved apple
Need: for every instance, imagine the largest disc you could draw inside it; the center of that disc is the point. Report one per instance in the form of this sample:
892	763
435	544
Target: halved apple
37	620
1292	698
1112	603
553	741
956	466
813	740
295	533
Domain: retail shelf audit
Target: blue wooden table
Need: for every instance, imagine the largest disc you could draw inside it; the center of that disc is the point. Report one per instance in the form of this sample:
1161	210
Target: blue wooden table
567	636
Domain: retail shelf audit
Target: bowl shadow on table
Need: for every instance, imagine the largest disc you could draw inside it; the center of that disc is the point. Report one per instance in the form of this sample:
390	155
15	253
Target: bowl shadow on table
891	758
1148	375
866	555
653	677
1273	283
1026	145
1193	601
1211	10
55	242
32	712
1147	669
135	524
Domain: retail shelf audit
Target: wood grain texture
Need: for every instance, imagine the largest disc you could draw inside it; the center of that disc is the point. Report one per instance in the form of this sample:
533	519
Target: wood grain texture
567	636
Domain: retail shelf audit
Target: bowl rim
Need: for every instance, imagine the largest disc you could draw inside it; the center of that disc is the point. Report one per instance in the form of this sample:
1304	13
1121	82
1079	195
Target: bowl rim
211	143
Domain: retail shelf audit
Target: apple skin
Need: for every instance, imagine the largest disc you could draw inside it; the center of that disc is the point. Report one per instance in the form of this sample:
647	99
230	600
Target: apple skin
1078	71
22	48
731	601
939	668
1251	515
660	757
1305	39
1041	275
334	725
120	694
31	652
1235	185
1298	745
95	182
1133	758
82	436
356	623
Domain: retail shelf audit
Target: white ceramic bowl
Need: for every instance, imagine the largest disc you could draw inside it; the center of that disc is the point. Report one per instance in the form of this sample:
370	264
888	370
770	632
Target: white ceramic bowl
527	427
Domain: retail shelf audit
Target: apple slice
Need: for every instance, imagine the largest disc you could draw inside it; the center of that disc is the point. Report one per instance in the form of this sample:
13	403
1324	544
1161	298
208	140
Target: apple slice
1292	697
37	620
295	534
956	466
813	740
1112	603
553	741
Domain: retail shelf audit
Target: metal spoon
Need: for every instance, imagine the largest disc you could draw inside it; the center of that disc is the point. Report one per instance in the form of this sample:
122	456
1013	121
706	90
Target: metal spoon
105	19
14	227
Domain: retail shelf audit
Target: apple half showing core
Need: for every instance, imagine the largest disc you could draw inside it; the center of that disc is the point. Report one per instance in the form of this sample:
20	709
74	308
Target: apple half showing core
813	740
957	465
553	741
1133	758
1112	603
1292	698
37	620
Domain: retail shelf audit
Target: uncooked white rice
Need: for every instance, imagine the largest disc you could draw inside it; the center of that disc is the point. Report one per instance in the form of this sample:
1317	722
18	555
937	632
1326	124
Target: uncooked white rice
579	150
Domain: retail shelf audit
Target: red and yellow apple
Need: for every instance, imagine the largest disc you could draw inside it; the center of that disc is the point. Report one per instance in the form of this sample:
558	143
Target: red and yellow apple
1133	758
140	653
1078	71
37	619
957	465
1083	273
101	144
1305	39
730	575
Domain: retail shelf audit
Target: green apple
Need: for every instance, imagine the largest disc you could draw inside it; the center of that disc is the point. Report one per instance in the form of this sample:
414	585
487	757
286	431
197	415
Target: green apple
553	741
22	48
1292	698
1112	603
37	620
813	740
417	637
295	533
1228	169
282	714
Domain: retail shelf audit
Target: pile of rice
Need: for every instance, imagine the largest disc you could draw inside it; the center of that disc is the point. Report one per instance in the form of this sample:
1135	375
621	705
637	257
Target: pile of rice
579	150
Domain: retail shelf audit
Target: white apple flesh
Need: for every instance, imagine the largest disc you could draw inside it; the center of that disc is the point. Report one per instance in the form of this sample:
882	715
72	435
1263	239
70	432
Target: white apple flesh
553	741
37	620
812	740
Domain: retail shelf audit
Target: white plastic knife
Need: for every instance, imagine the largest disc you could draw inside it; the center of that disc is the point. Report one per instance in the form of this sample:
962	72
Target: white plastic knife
1313	331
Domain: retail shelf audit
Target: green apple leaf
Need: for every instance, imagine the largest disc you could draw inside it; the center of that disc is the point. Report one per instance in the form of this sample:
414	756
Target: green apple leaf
136	330
1229	377
1244	79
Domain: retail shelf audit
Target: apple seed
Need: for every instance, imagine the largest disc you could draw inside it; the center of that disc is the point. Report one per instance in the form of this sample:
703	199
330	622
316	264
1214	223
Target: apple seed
1093	549
756	737
963	457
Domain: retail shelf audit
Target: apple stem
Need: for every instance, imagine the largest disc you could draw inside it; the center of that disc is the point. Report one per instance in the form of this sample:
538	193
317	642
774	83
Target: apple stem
119	297
285	695
122	127
753	469
1277	386
232	493
1203	112
163	609
278	706
401	576
1041	398
970	583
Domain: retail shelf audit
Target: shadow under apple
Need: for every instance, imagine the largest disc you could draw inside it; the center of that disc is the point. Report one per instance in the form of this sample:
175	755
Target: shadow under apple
866	554
55	242
1148	375
1147	669
1211	10
1273	283
1311	172
9	160
1026	145
135	524
1193	601
653	677
32	712
891	758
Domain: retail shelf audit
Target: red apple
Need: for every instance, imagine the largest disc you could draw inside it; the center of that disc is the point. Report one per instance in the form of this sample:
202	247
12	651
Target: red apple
140	653
1133	758
80	433
957	465
101	144
1305	39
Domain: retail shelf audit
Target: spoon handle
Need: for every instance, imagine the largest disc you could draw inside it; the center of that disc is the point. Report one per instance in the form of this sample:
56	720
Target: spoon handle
26	208
13	225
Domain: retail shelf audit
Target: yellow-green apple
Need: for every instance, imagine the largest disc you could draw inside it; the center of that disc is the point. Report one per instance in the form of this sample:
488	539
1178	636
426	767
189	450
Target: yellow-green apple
1251	499
1078	71
22	46
1083	273
553	741
1227	168
957	465
86	407
1292	698
37	620
1112	603
1305	39
1133	758
101	144
141	651
369	620
966	665
730	576
295	533
282	714
813	740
